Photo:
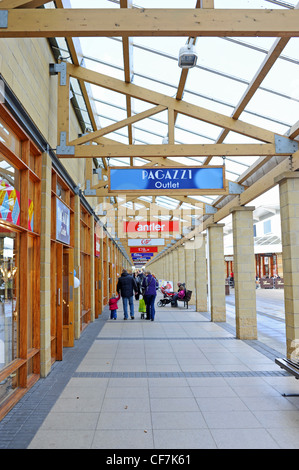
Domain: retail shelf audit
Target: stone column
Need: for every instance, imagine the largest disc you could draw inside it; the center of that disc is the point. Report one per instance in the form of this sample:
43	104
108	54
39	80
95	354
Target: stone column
244	272
181	265
45	267
201	274
190	269
175	268
170	266
289	213
216	272
165	267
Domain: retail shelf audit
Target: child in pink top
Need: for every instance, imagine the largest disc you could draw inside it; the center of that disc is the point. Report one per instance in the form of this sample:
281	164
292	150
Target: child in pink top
113	306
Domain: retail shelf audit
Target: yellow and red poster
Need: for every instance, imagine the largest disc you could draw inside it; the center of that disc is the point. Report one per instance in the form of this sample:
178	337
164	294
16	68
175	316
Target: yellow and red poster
9	203
30	215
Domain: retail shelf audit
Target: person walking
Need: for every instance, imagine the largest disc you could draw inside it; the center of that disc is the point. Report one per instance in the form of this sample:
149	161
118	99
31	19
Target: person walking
126	286
149	286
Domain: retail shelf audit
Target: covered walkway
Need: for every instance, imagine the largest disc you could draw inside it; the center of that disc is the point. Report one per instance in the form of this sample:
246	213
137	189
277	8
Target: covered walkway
181	382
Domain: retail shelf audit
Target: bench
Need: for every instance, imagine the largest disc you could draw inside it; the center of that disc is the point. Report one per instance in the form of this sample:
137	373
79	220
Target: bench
291	367
187	298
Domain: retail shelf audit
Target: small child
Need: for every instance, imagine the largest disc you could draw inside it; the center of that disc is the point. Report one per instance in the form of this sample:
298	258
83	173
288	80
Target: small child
142	308
113	306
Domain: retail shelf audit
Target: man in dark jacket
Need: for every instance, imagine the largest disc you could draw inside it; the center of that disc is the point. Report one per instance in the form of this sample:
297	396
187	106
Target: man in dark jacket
125	286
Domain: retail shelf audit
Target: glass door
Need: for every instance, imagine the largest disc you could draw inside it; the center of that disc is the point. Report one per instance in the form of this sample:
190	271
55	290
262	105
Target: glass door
68	297
9	308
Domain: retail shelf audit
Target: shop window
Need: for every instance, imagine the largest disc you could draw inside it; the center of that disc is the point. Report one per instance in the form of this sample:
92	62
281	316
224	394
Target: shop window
9	307
86	251
60	192
8	137
20	173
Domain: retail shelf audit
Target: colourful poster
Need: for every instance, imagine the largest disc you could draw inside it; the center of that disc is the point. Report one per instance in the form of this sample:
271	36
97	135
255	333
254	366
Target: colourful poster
9	203
97	245
31	216
62	222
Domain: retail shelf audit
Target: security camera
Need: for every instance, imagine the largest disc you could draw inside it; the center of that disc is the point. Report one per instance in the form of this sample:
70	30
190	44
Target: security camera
187	56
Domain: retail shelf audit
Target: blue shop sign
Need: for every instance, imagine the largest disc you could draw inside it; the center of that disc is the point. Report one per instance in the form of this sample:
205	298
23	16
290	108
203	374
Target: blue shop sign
167	178
141	255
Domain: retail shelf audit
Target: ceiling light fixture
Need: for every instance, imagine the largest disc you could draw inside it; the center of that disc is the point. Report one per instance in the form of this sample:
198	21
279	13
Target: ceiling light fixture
187	56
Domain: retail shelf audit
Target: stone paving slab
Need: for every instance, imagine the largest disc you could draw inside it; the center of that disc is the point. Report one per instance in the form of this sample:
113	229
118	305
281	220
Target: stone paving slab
180	382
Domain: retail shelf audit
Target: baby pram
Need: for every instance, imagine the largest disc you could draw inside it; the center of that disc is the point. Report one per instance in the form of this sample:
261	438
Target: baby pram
167	297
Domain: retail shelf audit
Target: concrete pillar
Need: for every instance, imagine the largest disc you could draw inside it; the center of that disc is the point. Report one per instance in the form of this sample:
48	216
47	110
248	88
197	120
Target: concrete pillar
244	272
165	268
170	266
190	269
201	274
160	268
289	213
181	265
175	268
216	272
45	267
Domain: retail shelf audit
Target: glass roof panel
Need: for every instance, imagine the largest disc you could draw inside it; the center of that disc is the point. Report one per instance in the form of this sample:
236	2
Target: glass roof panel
228	57
276	107
225	68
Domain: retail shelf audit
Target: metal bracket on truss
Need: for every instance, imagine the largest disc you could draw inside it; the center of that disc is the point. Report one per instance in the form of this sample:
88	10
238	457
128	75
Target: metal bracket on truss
64	149
101	214
88	191
98	171
210	209
3	18
56	68
285	145
235	188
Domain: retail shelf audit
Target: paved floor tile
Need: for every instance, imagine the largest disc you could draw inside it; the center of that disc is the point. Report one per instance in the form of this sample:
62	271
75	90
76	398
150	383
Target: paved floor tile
180	382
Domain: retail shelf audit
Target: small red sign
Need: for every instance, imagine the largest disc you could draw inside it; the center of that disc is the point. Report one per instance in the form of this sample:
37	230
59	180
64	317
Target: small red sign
153	226
144	249
97	245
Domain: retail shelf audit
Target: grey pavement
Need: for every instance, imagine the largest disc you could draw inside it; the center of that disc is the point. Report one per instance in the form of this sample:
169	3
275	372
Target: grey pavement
180	382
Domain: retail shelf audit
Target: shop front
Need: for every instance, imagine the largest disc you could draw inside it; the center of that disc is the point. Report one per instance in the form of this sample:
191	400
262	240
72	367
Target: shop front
62	267
20	185
98	269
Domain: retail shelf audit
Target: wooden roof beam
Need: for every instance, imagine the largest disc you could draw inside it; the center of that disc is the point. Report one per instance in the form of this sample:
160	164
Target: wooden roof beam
183	107
4	4
118	125
186	150
128	71
150	22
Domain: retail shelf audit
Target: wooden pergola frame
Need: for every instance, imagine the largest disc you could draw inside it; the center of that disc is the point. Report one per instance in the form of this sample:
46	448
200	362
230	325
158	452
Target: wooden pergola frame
129	22
24	20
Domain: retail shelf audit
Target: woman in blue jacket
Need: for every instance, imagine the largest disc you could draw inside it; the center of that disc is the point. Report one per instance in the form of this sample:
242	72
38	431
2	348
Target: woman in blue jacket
149	286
